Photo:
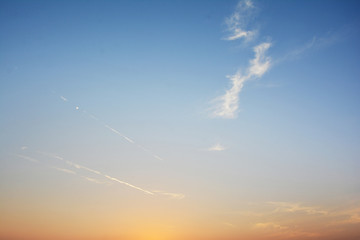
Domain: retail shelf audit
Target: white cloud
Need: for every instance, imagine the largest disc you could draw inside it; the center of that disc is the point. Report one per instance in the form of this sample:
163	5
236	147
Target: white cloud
24	147
261	63
216	147
238	21
227	105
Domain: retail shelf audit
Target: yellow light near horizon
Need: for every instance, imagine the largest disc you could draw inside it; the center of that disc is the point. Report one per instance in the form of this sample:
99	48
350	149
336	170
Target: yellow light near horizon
155	233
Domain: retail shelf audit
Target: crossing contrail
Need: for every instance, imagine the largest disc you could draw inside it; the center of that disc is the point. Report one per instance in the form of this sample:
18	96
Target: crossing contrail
170	195
78	166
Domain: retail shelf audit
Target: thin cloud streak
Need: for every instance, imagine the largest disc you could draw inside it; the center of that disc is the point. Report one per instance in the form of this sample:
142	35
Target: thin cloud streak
319	42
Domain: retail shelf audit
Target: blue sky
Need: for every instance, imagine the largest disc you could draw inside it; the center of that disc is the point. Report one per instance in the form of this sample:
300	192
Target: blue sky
78	79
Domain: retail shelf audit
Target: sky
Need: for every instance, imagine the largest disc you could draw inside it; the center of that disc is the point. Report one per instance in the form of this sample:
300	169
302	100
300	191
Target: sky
171	120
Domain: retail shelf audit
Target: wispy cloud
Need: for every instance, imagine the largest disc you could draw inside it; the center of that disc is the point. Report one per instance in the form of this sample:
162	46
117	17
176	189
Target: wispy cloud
217	147
238	22
226	106
24	148
261	63
273	229
284	220
319	42
296	207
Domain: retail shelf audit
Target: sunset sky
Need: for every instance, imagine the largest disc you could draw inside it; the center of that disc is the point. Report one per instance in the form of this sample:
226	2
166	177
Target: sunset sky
174	120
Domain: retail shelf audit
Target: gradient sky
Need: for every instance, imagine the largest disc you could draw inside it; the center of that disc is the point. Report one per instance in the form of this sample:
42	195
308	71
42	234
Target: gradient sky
172	120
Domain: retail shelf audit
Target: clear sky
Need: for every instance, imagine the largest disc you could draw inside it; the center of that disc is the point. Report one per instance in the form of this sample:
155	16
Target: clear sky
172	120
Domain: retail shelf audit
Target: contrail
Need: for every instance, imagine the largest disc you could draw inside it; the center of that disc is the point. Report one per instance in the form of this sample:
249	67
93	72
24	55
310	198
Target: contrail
82	167
108	177
149	152
127	184
78	166
128	139
118	133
